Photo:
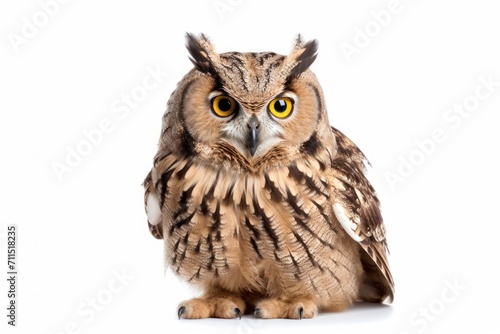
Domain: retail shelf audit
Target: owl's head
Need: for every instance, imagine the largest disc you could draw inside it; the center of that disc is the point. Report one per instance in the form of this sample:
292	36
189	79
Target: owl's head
254	105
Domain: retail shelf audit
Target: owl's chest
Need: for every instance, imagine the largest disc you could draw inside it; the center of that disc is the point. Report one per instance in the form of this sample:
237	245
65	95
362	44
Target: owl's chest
220	221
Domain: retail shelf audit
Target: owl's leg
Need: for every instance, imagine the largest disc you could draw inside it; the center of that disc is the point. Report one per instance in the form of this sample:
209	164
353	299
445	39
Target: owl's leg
214	304
295	308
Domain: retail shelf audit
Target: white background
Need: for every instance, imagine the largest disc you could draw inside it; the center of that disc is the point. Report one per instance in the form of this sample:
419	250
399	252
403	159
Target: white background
77	232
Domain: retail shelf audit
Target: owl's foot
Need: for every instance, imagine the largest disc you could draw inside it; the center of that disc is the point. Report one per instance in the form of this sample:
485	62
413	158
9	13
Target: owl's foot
298	308
228	307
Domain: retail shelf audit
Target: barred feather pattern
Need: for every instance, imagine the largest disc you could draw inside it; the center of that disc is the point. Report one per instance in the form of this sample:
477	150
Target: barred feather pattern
222	224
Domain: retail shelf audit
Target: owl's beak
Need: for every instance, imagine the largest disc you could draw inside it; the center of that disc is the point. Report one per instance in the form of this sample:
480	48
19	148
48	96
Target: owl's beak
253	137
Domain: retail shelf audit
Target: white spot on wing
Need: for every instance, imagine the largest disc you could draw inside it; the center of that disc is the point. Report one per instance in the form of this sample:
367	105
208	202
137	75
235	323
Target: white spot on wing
153	209
348	225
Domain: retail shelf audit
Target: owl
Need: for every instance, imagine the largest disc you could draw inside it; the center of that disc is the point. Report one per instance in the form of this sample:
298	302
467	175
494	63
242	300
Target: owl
262	204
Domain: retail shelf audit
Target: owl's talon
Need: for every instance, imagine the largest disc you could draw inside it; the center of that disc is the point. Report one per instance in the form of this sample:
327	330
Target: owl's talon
181	310
297	308
224	307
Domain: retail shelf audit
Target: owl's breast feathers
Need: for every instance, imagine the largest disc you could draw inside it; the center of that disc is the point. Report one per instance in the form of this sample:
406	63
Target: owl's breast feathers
221	219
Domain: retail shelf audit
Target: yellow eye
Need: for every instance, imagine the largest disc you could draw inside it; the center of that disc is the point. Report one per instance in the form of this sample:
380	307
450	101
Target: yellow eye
281	107
224	105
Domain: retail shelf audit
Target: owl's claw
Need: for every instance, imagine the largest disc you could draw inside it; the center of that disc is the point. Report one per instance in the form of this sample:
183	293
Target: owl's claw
238	312
300	308
181	310
216	307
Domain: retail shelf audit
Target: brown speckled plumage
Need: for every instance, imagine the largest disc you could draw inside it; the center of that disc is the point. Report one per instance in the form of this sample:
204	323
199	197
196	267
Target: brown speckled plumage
286	232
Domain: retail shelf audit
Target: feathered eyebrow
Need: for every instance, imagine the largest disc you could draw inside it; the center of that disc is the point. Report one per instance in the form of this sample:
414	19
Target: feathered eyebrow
287	87
219	91
217	86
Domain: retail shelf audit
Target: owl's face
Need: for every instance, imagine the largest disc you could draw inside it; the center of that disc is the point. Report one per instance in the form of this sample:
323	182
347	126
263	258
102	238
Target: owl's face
253	102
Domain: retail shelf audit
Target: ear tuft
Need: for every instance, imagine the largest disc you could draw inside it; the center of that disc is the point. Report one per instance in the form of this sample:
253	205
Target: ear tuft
201	52
302	56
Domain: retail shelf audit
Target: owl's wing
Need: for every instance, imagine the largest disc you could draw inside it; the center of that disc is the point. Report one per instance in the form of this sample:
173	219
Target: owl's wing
357	209
152	206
